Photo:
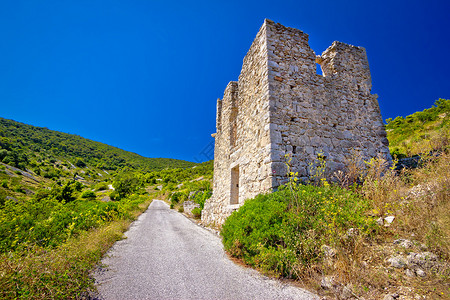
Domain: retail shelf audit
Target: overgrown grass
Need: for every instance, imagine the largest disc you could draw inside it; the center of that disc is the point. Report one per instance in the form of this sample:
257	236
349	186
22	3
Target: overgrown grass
48	222
313	232
63	271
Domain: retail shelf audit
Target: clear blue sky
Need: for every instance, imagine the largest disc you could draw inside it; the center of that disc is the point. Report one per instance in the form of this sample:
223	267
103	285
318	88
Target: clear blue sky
144	75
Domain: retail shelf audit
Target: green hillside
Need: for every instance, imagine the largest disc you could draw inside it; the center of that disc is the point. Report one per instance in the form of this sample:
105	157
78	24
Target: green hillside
64	200
25	146
420	132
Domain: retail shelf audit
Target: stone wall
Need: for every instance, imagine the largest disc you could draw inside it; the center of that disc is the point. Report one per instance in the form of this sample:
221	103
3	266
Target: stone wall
332	115
280	106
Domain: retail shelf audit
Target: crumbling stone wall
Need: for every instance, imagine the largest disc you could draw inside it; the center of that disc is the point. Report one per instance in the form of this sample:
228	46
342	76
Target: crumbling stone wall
281	106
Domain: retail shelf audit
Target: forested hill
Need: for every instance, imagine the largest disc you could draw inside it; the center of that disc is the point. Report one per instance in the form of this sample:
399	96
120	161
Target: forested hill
21	145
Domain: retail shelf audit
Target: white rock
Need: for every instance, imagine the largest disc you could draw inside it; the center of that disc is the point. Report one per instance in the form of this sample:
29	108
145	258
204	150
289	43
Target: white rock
389	220
380	221
421	273
347	292
403	243
410	273
397	261
327	282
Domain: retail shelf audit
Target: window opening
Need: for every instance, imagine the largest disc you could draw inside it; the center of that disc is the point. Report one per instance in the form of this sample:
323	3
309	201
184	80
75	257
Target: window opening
234	199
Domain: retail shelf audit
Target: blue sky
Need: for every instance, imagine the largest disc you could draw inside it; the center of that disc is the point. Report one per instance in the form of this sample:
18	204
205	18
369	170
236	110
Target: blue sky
144	76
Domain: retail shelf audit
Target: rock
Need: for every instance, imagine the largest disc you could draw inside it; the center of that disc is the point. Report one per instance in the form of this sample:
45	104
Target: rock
106	199
327	282
347	292
11	198
328	251
389	220
28	192
404	243
423	247
380	221
410	273
426	260
421	273
352	232
398	261
391	296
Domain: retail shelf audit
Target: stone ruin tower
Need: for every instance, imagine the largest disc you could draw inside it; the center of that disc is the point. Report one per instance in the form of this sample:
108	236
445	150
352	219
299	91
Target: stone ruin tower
280	105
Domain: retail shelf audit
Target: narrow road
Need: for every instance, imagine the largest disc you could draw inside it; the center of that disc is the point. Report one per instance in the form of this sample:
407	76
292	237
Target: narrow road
166	256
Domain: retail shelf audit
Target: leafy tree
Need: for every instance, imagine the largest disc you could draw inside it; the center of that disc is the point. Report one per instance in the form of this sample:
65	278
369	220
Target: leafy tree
65	193
80	163
126	184
3	153
88	195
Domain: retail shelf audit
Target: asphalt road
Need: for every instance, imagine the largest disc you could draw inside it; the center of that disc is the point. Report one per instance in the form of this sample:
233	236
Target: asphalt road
167	256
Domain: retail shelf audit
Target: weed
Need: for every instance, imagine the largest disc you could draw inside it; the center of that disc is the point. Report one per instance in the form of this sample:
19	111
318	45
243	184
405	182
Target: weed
197	212
63	271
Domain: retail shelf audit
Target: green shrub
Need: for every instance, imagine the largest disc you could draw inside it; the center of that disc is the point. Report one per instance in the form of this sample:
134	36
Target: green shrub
178	197
282	233
201	196
126	184
48	222
181	209
19	189
101	186
113	195
52	268
88	194
197	212
80	163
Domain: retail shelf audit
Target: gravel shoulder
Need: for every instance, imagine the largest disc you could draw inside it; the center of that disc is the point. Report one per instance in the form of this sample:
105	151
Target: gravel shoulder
166	256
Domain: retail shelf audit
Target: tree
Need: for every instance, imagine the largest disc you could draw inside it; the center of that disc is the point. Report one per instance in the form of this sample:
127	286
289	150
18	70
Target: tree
80	163
3	153
126	184
66	192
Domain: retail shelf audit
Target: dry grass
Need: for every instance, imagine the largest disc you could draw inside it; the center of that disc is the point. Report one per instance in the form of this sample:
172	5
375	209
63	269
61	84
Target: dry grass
419	200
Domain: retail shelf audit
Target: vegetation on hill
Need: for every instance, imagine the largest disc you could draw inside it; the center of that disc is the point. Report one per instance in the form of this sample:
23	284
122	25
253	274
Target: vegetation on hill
420	132
64	200
372	233
25	146
47	230
345	241
180	185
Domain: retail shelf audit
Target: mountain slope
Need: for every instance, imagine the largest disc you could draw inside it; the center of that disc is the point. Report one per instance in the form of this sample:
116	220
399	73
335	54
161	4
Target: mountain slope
420	132
23	145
